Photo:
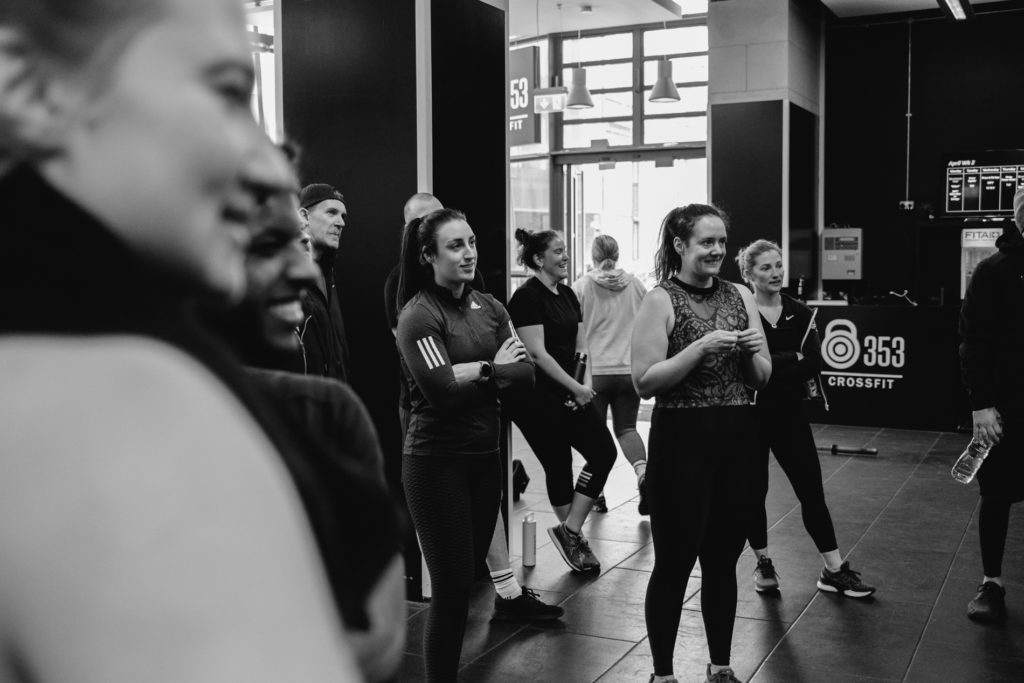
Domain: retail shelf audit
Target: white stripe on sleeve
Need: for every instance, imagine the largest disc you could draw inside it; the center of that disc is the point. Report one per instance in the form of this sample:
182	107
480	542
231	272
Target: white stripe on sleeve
437	354
431	355
420	343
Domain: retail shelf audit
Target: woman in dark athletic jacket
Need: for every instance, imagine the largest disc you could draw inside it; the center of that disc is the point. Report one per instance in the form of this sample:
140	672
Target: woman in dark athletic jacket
782	427
458	352
697	345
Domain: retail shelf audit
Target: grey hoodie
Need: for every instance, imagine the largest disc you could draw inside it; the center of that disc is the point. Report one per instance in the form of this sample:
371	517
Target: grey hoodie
610	300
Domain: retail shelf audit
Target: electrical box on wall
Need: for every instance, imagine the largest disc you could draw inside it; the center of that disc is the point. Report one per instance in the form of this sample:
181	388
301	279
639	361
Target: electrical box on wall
842	252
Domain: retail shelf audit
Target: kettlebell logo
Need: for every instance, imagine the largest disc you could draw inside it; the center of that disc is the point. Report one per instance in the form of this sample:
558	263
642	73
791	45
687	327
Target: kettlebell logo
840	348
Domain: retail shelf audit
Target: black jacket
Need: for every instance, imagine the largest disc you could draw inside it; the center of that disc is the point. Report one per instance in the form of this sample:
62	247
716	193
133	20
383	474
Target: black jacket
323	338
789	374
992	326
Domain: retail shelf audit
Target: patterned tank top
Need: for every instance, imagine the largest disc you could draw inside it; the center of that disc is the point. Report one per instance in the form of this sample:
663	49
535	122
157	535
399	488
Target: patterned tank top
718	380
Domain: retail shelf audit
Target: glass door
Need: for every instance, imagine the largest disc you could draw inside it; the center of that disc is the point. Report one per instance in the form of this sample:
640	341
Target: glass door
627	200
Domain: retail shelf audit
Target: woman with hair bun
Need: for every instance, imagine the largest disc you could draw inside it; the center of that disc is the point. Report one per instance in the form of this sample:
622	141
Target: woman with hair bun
782	427
610	298
560	415
149	526
697	345
458	355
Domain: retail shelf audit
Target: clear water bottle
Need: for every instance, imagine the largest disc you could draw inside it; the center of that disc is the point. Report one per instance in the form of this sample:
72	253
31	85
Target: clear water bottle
529	540
969	462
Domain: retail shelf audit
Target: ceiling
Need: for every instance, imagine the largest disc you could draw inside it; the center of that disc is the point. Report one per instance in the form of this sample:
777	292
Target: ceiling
529	18
523	14
857	8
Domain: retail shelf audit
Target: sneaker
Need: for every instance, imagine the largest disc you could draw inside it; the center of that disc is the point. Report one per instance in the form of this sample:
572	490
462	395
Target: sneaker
673	679
600	504
723	676
590	560
764	575
643	508
526	607
845	581
572	547
989	604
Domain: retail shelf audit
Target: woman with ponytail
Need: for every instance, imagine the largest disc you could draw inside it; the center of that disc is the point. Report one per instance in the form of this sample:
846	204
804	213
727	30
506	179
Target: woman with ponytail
458	353
697	345
560	415
610	298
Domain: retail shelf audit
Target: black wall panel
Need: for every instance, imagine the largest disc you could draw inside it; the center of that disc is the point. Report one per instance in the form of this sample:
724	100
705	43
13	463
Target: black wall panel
746	172
966	95
803	188
350	102
469	117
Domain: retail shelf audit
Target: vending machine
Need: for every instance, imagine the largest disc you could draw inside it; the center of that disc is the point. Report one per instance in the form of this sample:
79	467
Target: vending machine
976	244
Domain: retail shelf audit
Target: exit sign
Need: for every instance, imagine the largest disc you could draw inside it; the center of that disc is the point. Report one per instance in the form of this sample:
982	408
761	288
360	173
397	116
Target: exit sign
549	100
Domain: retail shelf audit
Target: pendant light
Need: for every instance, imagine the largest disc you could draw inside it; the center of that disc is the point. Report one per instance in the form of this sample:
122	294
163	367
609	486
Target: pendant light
579	96
664	88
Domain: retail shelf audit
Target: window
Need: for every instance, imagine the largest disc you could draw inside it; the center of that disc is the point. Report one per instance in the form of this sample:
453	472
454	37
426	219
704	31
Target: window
616	63
261	23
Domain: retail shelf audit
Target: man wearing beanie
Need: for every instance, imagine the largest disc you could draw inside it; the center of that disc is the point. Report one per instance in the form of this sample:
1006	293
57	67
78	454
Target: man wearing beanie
992	365
323	338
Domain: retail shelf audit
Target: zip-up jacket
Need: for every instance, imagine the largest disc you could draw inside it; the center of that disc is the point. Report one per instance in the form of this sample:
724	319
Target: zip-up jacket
436	331
783	339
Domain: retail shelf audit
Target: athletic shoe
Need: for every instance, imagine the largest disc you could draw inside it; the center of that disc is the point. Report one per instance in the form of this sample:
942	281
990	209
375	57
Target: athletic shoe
989	604
526	607
845	581
590	560
571	547
723	676
671	680
643	508
600	504
764	575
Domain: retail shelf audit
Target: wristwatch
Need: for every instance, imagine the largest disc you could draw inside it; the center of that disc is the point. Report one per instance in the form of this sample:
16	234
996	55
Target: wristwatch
486	371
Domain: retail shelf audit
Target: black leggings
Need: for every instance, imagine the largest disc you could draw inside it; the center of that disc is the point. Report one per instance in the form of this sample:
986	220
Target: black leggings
698	477
993	521
783	429
553	431
454	504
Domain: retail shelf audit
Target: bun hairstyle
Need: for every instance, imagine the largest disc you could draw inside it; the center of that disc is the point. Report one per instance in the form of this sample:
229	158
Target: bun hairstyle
419	238
679	222
533	244
604	252
748	254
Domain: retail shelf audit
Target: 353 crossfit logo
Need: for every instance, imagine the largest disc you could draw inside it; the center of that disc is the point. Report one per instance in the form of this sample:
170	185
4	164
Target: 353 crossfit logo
842	348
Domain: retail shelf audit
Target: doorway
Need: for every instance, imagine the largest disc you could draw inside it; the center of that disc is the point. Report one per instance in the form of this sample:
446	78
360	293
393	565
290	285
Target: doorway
626	199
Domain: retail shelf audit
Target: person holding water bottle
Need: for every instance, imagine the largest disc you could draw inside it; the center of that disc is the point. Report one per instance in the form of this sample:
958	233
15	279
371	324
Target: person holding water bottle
992	367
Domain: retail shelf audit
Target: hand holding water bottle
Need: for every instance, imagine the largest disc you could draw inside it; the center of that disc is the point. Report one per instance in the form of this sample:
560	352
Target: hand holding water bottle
988	429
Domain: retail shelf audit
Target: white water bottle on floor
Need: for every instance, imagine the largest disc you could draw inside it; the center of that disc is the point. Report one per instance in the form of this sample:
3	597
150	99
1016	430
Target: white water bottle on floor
529	540
969	462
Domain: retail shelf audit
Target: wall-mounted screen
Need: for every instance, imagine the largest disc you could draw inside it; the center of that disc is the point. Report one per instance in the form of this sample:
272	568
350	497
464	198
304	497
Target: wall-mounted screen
983	183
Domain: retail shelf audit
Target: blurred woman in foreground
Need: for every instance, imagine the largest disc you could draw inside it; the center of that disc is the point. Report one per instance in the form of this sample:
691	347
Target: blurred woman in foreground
149	529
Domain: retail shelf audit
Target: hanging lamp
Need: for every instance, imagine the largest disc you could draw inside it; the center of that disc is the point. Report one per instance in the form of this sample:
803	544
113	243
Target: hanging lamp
664	87
579	96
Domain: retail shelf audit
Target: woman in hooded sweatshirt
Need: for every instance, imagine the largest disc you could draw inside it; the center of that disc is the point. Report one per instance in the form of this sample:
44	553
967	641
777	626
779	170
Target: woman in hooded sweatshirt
610	298
150	530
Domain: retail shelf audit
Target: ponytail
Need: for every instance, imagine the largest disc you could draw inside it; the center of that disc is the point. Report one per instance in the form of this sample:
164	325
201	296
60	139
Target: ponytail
679	222
419	239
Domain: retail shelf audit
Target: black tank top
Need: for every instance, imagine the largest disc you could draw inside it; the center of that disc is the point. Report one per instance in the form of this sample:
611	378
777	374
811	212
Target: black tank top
718	380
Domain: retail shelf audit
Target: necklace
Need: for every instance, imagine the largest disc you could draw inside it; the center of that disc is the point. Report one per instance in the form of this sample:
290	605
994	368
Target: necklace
769	313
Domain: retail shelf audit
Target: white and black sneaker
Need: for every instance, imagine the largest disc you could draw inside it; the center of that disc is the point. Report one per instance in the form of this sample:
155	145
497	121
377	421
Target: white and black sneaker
765	578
